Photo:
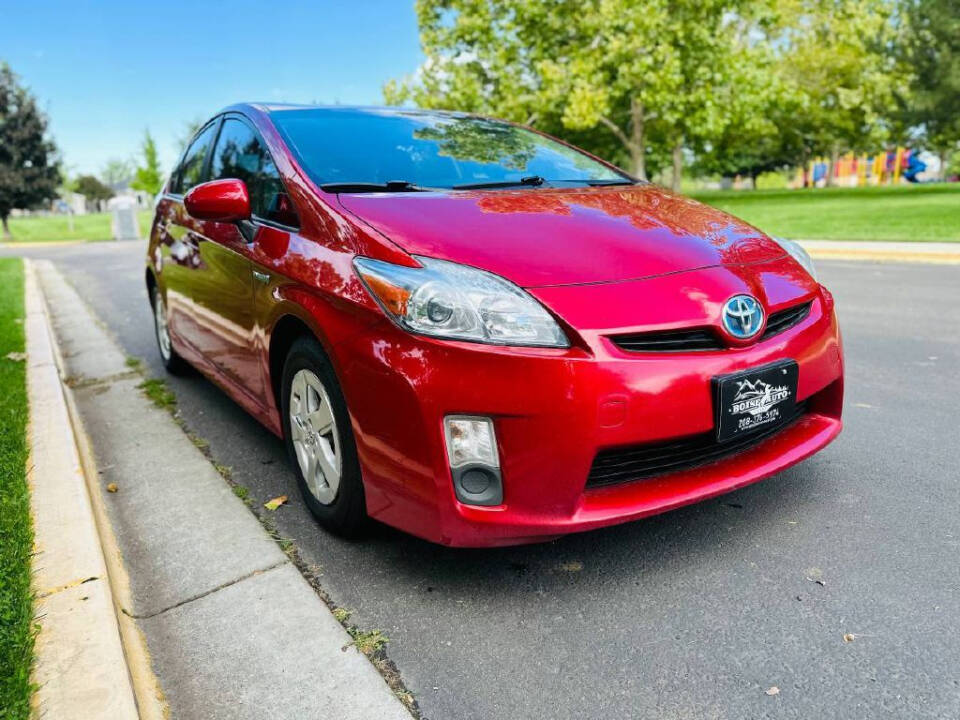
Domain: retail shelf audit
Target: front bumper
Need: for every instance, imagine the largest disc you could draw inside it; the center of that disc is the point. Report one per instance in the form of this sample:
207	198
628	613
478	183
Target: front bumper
553	411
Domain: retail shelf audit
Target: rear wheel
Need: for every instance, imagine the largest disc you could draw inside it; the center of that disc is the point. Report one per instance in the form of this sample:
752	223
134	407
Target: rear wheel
319	439
174	364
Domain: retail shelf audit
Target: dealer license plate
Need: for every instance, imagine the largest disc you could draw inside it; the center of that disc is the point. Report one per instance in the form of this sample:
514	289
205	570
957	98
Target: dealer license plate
755	400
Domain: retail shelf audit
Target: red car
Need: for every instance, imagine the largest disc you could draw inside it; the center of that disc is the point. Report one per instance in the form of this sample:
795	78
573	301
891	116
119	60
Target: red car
479	334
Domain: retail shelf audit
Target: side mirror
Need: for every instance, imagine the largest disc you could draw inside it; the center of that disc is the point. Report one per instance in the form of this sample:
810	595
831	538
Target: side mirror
219	200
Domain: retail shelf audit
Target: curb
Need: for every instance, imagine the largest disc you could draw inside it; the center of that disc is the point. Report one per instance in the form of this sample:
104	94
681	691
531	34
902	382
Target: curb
918	252
82	667
14	245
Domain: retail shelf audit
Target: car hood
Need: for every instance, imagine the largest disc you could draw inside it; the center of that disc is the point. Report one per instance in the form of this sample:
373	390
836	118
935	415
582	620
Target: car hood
544	237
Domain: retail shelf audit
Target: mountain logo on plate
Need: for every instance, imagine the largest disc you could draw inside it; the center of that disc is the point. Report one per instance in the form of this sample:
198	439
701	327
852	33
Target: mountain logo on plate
756	400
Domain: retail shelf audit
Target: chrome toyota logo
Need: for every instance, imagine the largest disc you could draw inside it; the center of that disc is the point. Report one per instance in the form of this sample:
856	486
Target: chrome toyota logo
742	316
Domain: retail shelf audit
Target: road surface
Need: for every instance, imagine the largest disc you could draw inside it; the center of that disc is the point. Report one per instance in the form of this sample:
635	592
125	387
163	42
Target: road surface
694	614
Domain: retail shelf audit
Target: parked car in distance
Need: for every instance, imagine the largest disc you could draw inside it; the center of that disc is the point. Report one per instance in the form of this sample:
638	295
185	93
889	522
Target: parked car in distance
479	334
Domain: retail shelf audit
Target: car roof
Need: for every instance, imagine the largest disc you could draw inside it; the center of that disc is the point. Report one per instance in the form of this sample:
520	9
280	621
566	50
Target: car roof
272	107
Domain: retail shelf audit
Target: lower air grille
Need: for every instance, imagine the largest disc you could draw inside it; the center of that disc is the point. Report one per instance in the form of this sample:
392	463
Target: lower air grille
705	338
621	465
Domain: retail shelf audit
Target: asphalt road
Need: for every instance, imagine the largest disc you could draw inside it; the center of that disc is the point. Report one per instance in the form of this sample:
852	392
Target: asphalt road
693	614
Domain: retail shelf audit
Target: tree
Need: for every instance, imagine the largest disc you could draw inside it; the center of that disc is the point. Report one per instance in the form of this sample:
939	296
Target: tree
147	176
117	172
29	165
835	62
633	80
92	189
931	47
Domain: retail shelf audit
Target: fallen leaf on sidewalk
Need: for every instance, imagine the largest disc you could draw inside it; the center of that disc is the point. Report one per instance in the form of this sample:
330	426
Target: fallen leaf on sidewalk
112	487
16	356
275	503
572	566
774	690
849	637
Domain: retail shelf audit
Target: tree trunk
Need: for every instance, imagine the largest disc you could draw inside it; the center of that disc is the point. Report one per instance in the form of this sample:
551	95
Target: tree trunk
677	166
6	229
944	158
638	150
832	168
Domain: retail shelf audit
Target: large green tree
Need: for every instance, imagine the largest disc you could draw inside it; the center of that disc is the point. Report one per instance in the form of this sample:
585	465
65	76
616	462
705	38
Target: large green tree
29	165
836	63
931	47
92	189
629	80
741	85
147	176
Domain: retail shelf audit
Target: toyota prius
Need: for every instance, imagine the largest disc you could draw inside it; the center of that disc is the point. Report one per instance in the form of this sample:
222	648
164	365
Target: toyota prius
479	334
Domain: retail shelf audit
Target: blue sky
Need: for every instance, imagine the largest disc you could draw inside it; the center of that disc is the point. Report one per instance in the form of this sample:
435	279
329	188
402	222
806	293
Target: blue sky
105	71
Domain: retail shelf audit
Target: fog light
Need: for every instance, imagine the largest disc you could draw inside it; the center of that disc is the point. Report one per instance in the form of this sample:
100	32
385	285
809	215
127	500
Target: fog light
474	462
470	440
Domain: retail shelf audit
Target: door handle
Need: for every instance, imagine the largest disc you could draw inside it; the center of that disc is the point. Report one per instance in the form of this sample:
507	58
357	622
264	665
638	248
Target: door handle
261	277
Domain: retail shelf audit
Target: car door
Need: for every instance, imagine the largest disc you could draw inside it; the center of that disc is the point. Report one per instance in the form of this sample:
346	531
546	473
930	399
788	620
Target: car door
214	292
241	154
182	235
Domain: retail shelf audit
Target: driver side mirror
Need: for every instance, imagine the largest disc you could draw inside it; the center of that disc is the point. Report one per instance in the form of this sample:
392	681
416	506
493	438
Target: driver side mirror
219	200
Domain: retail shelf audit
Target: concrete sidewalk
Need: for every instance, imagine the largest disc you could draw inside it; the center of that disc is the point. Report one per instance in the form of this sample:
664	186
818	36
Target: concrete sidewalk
233	629
923	252
81	669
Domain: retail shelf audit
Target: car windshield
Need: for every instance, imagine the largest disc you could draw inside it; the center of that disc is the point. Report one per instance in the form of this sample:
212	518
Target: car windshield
412	149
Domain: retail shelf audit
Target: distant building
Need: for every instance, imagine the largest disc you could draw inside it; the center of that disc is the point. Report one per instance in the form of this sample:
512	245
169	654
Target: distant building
142	199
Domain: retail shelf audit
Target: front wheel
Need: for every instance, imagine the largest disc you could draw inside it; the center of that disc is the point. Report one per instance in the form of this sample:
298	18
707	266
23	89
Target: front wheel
174	364
319	440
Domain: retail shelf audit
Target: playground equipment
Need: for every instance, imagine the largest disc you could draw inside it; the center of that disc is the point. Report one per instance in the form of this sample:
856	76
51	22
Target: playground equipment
853	171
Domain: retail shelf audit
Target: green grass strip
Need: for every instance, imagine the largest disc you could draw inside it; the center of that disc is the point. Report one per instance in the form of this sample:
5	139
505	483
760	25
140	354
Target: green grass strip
903	214
17	628
55	228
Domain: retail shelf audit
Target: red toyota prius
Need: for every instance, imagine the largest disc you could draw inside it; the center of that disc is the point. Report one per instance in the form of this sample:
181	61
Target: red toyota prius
479	334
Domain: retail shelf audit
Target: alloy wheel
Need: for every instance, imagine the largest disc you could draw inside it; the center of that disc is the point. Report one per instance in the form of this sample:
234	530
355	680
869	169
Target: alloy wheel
163	332
313	430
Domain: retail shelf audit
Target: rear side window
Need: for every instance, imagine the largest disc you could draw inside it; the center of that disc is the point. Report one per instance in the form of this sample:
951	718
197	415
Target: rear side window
241	155
191	169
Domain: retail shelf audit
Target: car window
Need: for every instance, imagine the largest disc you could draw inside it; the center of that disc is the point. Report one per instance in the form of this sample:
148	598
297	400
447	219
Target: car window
430	149
191	169
240	154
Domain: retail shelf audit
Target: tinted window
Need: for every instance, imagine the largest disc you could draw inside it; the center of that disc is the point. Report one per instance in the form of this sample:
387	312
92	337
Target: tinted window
435	150
240	154
191	169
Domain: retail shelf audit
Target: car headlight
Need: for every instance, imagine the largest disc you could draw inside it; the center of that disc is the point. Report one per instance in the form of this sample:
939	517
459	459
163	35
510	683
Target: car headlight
799	254
457	302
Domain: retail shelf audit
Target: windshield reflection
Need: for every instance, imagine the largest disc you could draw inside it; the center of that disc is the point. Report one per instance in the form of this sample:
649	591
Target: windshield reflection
428	149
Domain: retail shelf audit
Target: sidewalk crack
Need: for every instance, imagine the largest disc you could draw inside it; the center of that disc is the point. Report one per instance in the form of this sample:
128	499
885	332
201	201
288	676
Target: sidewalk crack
204	594
67	586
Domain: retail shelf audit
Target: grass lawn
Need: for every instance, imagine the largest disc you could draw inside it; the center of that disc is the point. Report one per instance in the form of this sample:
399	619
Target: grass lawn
16	531
48	228
925	212
912	213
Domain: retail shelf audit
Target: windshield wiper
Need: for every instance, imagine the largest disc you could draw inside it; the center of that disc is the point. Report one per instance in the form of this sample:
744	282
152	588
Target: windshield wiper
531	180
599	183
363	187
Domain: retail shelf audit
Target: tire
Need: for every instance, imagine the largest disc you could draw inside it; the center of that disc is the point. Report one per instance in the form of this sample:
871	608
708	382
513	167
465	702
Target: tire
320	441
172	362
